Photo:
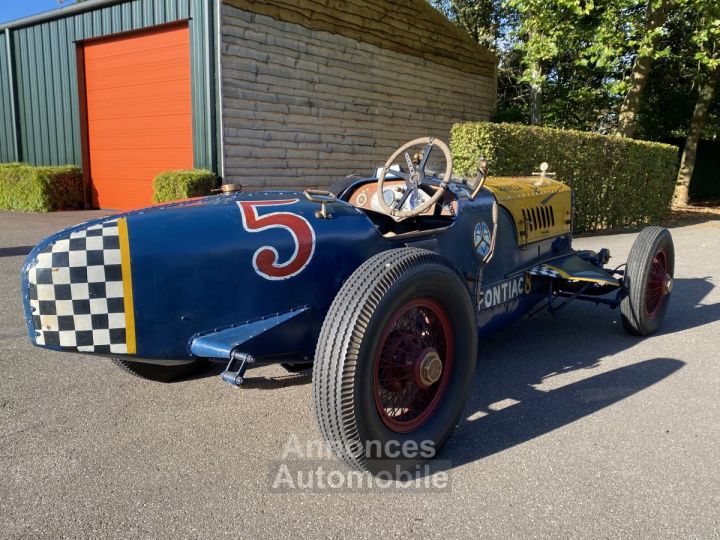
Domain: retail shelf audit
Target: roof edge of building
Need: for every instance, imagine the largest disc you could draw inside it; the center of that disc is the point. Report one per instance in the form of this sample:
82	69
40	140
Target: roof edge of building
484	51
58	13
375	23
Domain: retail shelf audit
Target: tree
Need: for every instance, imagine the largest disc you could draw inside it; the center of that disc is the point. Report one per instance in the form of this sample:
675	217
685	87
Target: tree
707	40
672	88
542	31
654	20
687	163
482	19
624	66
543	46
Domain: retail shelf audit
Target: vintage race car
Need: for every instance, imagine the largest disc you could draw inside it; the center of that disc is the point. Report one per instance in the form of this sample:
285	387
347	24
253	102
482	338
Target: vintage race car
383	285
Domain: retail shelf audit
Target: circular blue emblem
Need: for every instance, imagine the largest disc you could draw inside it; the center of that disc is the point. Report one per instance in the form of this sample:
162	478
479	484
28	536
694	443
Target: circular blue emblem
482	239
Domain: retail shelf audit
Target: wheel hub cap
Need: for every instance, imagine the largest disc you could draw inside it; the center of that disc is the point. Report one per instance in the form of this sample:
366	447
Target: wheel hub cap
428	368
668	285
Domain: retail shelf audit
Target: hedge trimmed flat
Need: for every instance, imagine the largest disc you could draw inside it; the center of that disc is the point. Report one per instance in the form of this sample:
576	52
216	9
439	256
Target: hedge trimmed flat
382	285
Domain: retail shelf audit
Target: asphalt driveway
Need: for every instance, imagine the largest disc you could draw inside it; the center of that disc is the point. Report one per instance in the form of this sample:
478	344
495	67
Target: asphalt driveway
573	429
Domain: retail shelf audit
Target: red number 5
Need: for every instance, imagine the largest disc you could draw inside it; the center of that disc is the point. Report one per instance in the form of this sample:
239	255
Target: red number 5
265	259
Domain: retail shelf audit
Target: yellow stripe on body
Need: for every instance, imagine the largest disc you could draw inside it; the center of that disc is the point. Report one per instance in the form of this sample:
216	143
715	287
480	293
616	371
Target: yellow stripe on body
127	286
560	271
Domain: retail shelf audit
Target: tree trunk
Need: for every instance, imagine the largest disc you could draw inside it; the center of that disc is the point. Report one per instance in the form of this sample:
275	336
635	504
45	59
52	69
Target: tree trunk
641	69
687	164
536	97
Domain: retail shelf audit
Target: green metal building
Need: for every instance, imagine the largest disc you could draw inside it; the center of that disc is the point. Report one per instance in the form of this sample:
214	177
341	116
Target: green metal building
40	115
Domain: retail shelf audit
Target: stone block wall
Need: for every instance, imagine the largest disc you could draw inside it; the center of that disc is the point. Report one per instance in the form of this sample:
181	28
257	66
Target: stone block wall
306	104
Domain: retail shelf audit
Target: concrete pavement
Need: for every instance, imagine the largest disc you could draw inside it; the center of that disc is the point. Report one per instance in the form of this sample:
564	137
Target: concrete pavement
573	429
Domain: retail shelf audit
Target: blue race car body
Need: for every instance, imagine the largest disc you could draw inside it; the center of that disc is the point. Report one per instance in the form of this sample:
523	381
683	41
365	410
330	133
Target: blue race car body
383	284
201	268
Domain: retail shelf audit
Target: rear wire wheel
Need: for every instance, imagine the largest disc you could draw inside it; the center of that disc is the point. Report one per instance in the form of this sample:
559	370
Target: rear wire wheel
648	281
395	361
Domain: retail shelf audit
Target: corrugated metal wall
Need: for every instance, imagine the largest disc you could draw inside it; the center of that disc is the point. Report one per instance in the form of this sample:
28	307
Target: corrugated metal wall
7	134
45	77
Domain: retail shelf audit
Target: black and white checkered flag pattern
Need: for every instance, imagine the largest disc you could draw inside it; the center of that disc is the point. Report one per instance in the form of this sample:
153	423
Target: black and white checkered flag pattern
544	272
76	292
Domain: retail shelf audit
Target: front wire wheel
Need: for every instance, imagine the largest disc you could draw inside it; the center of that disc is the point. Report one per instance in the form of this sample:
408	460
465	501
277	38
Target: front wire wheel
648	281
395	360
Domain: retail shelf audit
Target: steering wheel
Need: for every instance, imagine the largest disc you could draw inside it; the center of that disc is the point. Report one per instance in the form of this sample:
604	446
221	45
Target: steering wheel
414	178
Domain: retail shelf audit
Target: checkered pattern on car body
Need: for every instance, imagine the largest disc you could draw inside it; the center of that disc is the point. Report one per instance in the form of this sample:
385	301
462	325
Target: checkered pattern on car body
543	271
77	294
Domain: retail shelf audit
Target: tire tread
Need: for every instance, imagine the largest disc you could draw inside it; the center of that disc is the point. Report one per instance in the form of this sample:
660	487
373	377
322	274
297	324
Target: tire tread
632	305
340	340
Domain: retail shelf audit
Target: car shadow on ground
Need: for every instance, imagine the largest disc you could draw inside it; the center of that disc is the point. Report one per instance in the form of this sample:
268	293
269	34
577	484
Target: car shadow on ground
15	251
254	381
534	412
509	405
686	309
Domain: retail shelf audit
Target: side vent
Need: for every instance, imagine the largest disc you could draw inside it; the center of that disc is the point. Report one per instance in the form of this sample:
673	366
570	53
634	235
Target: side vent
539	217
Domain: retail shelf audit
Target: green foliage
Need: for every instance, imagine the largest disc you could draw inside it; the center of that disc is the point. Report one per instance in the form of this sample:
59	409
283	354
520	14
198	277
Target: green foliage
672	88
40	189
706	36
542	30
482	19
578	55
183	184
617	182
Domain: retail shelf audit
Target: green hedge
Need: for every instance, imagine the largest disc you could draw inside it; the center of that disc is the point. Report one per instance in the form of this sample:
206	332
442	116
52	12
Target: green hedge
184	184
617	182
40	189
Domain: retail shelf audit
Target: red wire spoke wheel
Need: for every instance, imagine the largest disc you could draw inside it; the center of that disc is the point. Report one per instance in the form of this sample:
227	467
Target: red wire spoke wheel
413	365
395	360
648	281
658	284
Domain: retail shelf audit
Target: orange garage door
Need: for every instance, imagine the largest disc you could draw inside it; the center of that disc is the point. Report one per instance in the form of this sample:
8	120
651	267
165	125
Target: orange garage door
139	113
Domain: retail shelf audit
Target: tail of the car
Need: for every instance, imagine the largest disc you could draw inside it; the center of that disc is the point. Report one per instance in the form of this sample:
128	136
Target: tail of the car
77	290
157	283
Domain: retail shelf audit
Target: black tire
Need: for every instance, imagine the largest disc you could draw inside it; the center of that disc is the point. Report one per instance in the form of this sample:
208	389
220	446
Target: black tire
345	372
161	373
648	281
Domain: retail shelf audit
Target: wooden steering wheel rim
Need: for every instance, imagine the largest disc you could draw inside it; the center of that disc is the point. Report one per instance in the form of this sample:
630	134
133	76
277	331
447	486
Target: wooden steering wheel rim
404	214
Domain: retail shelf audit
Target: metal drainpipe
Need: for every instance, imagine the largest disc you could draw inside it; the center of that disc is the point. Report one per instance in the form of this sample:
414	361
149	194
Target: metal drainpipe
219	89
13	104
210	101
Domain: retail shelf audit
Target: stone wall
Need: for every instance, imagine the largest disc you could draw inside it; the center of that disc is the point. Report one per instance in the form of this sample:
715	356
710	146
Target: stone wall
303	107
